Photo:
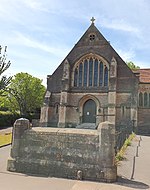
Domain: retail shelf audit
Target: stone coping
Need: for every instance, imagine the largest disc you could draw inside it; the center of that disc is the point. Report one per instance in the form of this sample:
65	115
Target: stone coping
64	130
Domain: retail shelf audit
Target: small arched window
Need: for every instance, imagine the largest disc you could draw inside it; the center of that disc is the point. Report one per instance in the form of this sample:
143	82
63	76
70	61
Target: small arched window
106	76
145	99
76	77
56	108
140	99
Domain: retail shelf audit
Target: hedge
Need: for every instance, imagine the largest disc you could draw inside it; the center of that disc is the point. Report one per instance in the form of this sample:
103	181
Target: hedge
8	118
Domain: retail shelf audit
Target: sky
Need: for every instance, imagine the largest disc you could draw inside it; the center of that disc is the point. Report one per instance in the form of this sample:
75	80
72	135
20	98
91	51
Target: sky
39	34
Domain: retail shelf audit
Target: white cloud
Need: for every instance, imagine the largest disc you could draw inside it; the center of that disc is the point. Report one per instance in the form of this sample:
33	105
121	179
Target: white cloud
35	5
25	40
120	24
126	55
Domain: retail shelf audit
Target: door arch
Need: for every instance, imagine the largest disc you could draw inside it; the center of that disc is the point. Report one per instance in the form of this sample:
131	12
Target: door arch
89	111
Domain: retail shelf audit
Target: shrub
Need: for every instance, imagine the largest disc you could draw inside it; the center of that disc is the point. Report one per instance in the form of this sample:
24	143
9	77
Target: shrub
7	118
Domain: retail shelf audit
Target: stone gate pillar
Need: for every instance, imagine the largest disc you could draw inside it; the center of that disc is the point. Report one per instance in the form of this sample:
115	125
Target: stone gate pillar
107	154
19	128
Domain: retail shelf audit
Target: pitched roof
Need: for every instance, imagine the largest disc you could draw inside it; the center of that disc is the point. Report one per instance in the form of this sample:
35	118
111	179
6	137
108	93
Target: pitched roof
144	75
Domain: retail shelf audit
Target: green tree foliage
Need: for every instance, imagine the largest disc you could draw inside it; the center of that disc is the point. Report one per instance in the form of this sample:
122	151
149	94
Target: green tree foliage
4	65
26	93
131	65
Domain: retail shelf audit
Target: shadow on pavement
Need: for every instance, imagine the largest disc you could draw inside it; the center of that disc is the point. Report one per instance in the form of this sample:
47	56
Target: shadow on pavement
130	183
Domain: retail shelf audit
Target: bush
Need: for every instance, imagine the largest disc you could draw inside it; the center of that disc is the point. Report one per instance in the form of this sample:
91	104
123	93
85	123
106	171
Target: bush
120	155
7	118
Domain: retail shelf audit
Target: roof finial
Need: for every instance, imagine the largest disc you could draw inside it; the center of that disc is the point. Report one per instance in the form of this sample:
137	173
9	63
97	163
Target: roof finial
92	20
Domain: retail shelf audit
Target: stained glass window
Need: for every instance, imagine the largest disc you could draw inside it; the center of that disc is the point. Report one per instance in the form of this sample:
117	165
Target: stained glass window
106	76
85	73
101	74
80	74
95	72
90	71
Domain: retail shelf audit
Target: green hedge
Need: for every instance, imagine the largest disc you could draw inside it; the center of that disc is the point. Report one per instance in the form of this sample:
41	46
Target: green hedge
8	118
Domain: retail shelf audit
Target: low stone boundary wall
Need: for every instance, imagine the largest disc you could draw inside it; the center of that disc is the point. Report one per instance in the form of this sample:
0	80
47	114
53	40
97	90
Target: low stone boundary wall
67	153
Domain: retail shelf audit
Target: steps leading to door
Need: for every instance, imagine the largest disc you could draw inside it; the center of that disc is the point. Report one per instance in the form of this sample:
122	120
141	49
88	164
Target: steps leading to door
86	126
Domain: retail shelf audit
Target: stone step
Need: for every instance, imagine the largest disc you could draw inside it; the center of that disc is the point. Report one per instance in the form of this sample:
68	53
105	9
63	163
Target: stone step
86	126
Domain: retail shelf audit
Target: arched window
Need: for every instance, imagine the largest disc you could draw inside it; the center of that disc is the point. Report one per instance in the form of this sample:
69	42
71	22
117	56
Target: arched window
140	99
90	72
101	74
80	74
149	99
95	72
56	108
106	76
145	99
76	77
85	73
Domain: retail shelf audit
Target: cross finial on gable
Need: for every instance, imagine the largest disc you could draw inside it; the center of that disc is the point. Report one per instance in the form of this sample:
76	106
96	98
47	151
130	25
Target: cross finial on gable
92	20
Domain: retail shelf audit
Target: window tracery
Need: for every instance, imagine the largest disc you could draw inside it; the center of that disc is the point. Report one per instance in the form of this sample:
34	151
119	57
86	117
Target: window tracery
91	72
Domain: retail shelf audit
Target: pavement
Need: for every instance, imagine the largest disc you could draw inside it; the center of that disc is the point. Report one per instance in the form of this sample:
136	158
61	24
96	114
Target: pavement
6	130
131	176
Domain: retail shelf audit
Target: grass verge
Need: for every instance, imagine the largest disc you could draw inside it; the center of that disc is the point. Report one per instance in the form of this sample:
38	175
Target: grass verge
5	139
120	155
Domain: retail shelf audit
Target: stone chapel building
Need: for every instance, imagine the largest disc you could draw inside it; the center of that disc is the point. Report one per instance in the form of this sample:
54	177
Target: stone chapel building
93	84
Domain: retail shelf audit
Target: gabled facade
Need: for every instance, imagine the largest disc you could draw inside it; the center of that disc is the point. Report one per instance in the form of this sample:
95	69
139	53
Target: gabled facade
143	100
91	85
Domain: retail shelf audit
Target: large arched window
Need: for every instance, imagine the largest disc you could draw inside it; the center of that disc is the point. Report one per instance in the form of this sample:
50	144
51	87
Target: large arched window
140	99
91	72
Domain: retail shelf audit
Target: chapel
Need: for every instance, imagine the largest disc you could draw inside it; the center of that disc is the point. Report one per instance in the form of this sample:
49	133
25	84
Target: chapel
93	84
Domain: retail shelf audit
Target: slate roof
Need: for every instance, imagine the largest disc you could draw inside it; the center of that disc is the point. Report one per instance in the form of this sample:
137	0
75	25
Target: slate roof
144	75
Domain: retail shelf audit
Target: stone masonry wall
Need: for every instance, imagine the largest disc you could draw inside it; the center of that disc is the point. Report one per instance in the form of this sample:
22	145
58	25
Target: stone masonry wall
67	153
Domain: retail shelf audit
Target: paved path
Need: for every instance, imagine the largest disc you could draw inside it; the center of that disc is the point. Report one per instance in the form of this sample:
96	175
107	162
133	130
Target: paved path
5	131
136	166
15	181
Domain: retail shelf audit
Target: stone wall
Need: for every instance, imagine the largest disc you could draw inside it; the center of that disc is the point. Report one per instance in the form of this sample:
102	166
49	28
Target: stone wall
67	153
143	121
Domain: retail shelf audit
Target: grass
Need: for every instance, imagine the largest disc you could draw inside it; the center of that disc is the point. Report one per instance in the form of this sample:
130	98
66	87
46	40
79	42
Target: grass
120	155
5	139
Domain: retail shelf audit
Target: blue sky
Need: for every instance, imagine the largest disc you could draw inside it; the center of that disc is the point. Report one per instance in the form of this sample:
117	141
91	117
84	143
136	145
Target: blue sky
39	34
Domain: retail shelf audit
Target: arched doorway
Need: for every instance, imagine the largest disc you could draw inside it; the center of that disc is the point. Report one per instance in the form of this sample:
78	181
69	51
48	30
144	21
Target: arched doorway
89	111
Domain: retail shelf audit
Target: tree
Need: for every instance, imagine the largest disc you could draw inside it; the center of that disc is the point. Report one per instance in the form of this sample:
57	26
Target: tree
26	93
131	65
4	65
